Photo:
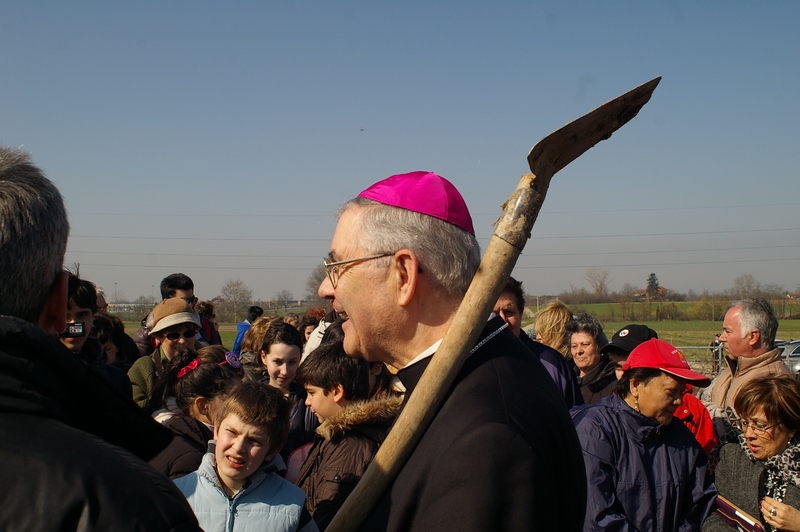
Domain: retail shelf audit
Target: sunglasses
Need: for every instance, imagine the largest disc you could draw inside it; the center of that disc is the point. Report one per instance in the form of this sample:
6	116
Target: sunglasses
175	335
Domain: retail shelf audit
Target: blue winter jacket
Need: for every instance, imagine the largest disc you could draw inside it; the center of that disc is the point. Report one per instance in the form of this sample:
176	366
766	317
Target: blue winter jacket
641	475
267	502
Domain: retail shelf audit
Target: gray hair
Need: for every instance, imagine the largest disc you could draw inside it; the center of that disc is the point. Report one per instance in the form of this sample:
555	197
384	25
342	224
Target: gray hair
33	235
757	314
584	323
449	255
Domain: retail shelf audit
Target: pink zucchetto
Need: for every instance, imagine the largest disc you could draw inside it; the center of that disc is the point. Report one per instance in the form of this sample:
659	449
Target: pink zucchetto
425	193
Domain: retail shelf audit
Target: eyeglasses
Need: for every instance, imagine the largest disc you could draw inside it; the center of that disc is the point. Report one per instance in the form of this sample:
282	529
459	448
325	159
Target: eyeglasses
176	335
758	428
332	268
191	300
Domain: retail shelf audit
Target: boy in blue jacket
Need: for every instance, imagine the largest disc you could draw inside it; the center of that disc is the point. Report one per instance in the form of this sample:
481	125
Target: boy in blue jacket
236	487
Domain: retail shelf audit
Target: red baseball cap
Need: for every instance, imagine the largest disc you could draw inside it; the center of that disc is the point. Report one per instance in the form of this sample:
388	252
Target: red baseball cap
425	193
658	354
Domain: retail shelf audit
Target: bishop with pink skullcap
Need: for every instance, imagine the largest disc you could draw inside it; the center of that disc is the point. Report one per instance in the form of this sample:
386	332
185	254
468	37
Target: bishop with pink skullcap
401	260
425	193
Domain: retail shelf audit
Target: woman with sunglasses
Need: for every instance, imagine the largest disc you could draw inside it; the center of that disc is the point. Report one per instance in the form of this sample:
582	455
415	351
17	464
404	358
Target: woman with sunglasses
175	324
194	387
759	469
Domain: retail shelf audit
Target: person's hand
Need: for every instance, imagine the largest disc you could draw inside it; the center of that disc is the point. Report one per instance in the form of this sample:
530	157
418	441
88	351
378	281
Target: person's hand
779	515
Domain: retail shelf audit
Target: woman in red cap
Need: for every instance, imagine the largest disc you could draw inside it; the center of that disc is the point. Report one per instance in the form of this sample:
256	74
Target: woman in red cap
642	470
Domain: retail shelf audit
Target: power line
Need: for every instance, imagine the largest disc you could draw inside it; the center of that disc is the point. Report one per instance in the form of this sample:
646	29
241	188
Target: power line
537	254
629	235
330	214
518	266
682	263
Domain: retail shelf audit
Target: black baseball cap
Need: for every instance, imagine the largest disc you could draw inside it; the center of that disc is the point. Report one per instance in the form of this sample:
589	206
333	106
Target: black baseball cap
630	336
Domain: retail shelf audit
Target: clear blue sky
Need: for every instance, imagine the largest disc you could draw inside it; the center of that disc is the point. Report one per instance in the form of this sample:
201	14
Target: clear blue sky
218	139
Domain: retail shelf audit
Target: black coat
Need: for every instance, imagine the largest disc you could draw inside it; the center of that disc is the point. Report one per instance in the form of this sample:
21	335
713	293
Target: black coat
61	423
501	454
185	453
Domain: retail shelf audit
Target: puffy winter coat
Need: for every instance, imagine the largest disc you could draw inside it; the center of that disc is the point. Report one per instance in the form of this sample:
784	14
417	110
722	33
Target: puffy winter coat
642	475
745	369
266	502
345	445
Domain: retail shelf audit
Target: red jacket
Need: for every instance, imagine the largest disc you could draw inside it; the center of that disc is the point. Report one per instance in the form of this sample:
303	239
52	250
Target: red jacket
695	415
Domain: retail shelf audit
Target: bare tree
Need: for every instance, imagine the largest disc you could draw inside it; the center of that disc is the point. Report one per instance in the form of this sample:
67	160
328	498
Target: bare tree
283	298
236	296
746	286
598	280
313	282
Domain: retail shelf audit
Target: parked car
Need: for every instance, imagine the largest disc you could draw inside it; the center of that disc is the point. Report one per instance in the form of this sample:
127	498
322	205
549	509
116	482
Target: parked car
790	353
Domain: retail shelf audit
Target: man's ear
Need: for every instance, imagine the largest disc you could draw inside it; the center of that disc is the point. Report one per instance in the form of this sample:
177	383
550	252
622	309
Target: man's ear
754	338
53	317
406	266
337	393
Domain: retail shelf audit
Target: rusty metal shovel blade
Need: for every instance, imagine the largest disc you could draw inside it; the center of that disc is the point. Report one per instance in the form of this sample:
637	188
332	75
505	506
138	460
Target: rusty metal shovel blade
574	139
513	228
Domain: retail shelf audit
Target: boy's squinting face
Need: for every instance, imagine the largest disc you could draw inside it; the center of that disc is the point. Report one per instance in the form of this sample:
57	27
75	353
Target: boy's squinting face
281	362
240	450
320	402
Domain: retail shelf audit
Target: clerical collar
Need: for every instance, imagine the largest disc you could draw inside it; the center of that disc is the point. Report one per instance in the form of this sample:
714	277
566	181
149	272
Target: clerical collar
432	349
425	354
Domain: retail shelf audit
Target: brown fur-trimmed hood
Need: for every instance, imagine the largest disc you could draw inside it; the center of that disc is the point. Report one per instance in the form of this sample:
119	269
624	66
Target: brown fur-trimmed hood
376	414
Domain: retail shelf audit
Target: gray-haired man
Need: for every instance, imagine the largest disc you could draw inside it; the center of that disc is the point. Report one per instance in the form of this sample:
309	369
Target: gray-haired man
70	441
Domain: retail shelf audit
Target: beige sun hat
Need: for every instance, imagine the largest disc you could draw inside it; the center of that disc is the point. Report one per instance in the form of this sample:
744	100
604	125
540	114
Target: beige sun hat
171	312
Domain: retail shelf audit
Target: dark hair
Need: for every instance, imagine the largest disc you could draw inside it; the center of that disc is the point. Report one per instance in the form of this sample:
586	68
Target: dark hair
334	332
383	382
258	403
514	288
209	379
108	327
206	308
81	293
623	386
173	282
779	397
307	320
253	313
584	323
279	332
329	366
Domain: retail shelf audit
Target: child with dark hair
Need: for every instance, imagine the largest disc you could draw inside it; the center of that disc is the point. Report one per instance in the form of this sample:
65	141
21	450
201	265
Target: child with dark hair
110	332
278	362
237	486
196	384
351	430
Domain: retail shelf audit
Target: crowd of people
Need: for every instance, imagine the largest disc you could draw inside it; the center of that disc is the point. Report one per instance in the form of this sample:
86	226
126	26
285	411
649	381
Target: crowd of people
564	429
